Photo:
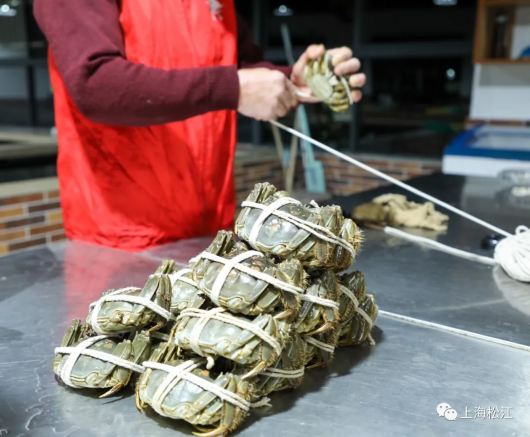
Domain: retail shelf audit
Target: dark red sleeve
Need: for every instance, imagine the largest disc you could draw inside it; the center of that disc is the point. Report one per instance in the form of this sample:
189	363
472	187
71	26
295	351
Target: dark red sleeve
250	55
86	42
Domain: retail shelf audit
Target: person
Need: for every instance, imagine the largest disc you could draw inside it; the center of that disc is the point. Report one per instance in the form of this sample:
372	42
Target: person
145	96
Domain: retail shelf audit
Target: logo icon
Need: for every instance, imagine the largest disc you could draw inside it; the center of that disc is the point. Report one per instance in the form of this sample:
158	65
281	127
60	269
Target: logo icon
450	414
445	410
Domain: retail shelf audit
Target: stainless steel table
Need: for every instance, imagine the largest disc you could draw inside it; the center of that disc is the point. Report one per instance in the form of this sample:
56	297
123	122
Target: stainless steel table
391	389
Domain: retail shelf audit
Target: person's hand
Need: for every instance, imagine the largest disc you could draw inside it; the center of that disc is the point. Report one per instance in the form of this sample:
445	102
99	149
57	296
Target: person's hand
265	94
343	63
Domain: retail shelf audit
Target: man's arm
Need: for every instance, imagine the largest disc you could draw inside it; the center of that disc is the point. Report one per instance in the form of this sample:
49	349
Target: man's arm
87	45
250	55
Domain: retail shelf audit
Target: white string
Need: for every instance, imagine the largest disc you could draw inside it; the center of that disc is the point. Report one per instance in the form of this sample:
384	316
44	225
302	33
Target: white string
454	330
513	255
390	179
279	373
218	314
439	246
319	344
115	296
225	271
179	276
196	334
349	293
303	224
297	291
183	371
82	349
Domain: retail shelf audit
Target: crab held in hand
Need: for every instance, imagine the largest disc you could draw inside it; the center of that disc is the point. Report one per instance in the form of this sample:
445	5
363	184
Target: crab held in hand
333	90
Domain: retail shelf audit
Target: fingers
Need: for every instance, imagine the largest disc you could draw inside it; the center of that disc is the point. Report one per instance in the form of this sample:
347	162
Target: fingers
357	95
348	66
314	51
357	80
291	89
340	55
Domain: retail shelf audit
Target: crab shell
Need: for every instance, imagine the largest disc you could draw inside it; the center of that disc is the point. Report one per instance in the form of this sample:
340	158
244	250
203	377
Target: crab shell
122	317
184	295
333	90
292	358
243	293
356	330
353	281
219	338
192	403
317	357
315	318
91	372
284	239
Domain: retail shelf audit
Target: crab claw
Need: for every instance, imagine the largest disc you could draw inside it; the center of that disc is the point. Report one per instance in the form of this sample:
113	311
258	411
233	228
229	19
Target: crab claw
220	430
113	390
255	371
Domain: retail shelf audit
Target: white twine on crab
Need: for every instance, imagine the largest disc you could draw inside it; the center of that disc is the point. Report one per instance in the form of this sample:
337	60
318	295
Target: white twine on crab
179	277
326	347
175	374
219	314
347	292
297	291
514	254
82	349
280	373
117	296
324	234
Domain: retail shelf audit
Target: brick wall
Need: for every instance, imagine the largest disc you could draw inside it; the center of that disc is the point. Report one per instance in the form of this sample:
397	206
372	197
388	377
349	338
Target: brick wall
344	179
30	220
34	218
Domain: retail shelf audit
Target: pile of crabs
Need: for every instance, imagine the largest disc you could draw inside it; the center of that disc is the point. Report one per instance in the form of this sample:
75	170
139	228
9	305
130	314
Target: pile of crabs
246	317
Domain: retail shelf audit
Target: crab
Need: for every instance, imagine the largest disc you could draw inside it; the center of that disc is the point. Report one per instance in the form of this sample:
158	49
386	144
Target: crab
90	372
185	292
333	90
189	397
355	327
120	316
320	237
255	342
288	371
240	291
319	349
315	318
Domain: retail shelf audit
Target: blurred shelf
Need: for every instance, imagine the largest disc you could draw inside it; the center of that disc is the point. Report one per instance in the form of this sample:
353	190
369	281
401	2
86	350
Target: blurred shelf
506	2
428	49
502	61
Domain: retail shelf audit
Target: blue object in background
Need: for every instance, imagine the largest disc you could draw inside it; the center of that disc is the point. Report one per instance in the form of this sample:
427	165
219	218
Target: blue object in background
525	53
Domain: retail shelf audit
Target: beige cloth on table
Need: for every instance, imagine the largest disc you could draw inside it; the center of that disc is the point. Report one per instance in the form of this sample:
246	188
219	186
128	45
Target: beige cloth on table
395	210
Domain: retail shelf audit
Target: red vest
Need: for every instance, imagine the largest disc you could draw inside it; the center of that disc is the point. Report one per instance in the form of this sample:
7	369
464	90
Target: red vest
134	188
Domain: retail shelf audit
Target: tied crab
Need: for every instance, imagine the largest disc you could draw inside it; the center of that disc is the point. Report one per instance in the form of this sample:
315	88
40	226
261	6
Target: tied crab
314	317
256	342
333	90
240	290
185	292
288	371
358	310
319	349
193	393
90	372
320	237
117	311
